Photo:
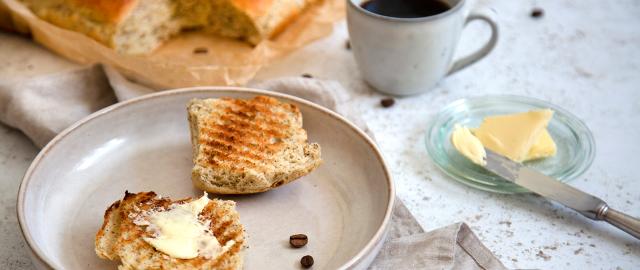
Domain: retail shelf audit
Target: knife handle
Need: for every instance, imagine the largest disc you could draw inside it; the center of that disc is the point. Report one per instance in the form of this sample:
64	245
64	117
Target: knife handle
624	222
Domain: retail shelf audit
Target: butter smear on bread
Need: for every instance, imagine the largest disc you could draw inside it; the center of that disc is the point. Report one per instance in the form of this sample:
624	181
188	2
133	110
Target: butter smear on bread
520	137
179	233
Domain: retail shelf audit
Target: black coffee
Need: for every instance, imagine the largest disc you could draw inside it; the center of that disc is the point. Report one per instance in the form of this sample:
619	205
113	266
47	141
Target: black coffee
406	8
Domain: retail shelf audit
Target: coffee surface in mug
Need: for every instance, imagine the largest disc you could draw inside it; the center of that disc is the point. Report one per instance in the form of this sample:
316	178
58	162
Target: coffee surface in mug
406	8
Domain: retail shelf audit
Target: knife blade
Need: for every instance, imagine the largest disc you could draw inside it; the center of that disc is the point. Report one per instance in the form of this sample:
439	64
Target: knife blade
550	188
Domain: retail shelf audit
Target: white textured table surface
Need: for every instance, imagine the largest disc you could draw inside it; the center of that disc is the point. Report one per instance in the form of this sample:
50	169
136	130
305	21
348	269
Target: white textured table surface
582	56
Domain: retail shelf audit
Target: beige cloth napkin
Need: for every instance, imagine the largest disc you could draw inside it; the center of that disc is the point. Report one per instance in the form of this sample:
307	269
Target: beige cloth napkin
43	106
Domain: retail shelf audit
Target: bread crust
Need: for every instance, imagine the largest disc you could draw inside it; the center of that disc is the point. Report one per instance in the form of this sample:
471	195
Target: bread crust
270	17
111	11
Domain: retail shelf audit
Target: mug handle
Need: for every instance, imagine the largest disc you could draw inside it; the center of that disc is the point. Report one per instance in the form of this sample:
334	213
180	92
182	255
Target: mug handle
486	49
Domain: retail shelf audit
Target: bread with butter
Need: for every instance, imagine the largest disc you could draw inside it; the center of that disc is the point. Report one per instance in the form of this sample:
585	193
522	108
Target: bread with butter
120	238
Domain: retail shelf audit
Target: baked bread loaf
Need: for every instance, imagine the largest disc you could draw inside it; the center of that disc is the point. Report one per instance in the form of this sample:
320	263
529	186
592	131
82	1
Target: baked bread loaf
139	26
129	26
248	146
122	238
250	20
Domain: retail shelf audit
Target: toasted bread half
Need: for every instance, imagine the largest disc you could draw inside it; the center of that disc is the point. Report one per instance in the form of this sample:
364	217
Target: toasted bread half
121	239
248	146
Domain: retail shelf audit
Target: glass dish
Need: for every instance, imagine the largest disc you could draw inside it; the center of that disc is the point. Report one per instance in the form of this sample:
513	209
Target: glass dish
574	141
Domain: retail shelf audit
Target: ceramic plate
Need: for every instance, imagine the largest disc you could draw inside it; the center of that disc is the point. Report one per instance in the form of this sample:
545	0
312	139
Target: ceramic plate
143	144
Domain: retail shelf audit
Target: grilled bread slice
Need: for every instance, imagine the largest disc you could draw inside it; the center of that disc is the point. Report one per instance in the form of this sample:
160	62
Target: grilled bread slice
121	239
248	146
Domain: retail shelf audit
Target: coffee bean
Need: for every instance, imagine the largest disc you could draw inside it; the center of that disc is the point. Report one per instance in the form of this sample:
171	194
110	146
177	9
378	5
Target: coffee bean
348	45
306	261
387	102
307	75
537	12
298	240
200	50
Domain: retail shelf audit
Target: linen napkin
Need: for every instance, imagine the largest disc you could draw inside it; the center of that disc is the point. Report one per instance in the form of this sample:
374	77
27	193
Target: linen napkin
43	106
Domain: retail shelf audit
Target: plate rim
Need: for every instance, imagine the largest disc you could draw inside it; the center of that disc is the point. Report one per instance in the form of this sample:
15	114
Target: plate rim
38	254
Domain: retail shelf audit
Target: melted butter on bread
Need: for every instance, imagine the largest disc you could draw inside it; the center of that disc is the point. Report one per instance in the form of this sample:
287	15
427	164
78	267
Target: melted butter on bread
179	233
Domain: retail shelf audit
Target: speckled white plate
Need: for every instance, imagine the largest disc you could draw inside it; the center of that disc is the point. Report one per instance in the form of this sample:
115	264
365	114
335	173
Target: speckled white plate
143	144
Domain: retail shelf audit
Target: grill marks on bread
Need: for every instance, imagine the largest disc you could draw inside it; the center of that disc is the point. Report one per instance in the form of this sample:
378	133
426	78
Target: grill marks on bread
245	133
248	146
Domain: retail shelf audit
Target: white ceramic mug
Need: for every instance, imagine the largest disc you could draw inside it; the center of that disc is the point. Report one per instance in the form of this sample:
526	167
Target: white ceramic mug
404	56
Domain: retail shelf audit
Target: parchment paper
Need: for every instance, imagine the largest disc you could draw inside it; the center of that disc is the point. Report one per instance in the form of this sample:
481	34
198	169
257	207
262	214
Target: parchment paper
174	64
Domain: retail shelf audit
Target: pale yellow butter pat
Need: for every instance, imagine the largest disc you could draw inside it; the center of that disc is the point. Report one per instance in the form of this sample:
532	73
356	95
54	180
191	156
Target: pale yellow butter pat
543	147
179	233
468	145
515	135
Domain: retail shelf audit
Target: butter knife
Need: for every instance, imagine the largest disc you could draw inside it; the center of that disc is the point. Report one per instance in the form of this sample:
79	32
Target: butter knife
586	204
